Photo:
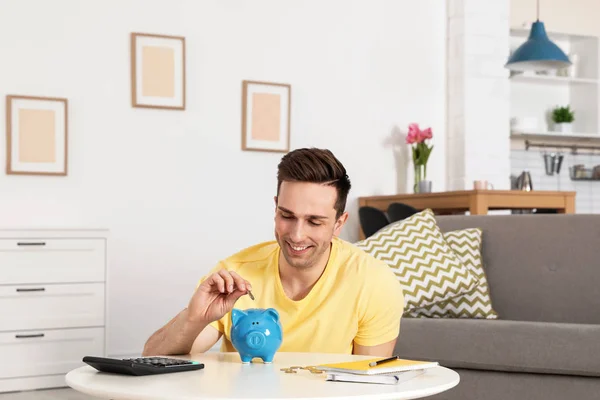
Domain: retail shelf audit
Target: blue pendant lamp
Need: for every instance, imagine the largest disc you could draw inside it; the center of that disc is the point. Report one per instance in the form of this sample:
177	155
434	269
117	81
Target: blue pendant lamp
538	53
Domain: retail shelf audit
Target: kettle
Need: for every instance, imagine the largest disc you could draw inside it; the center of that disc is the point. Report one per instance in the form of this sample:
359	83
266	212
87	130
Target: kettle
524	181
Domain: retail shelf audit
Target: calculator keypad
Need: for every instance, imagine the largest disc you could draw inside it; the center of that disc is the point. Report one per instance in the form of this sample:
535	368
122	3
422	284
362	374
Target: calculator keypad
159	361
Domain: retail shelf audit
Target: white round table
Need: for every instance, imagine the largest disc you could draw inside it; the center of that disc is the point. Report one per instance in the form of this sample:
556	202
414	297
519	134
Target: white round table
225	377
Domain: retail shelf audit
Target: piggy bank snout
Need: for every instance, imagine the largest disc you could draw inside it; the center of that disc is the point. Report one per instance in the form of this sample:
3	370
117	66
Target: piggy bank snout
256	340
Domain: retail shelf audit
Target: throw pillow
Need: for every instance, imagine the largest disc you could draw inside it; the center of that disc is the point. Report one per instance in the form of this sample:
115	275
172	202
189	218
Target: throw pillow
466	244
425	265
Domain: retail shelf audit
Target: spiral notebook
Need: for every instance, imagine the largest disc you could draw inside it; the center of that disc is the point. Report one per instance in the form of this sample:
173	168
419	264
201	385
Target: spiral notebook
362	367
394	378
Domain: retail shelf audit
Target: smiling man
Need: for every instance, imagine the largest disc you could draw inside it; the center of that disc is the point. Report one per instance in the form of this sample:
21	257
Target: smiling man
331	296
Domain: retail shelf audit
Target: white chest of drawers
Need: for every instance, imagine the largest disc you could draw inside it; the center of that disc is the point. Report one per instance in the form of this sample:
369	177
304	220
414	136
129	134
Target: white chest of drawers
52	304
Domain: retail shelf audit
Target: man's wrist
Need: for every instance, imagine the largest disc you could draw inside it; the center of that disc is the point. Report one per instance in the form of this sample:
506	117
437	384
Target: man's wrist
193	323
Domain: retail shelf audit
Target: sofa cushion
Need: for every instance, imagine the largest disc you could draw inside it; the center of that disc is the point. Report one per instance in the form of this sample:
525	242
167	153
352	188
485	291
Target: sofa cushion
466	243
512	346
428	270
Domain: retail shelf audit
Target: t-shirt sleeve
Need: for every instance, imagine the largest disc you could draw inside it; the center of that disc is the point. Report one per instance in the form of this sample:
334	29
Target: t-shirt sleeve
382	309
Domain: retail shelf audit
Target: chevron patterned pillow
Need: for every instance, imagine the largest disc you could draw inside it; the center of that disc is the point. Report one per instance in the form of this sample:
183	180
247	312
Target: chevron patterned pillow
425	265
475	304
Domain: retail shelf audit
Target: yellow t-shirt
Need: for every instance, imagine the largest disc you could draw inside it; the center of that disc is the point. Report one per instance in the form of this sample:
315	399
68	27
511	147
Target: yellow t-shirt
357	299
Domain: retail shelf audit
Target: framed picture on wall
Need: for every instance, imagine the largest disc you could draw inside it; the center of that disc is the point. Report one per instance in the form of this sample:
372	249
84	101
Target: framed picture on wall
36	135
266	116
157	71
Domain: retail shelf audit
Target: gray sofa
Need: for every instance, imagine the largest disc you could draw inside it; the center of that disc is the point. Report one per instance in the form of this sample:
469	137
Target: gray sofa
544	277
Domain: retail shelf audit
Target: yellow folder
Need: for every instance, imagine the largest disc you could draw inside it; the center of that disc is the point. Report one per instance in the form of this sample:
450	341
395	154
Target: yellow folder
362	367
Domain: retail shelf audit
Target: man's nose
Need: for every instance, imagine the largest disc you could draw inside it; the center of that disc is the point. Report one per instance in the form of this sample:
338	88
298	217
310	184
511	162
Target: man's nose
297	233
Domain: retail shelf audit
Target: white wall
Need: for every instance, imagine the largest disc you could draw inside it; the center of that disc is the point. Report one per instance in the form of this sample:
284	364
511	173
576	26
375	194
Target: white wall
173	187
577	17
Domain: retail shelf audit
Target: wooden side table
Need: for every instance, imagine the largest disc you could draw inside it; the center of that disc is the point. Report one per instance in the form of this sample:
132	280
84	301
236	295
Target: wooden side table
477	202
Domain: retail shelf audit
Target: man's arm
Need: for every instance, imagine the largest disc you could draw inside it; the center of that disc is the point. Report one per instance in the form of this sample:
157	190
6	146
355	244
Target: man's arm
206	340
382	350
213	298
176	337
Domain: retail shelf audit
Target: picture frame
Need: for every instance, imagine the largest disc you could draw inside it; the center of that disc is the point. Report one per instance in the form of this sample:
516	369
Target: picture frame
158	71
37	139
266	116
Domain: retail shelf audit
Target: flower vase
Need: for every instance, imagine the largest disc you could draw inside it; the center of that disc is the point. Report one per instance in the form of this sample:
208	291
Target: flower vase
425	186
419	176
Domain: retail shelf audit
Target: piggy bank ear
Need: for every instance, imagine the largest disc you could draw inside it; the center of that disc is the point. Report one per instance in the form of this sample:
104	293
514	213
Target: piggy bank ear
236	315
273	313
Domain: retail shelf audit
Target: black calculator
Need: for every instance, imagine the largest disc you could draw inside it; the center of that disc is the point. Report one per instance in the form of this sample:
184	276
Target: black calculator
142	365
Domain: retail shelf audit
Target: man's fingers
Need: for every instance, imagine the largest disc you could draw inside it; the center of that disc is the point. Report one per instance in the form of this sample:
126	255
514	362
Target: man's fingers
240	282
229	282
217	281
233	297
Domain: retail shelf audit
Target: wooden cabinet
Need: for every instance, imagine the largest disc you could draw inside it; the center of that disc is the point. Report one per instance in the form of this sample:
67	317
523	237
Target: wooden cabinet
476	202
52	304
574	17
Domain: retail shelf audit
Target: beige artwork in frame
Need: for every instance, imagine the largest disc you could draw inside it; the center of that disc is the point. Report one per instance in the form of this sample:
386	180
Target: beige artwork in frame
157	71
36	135
266	109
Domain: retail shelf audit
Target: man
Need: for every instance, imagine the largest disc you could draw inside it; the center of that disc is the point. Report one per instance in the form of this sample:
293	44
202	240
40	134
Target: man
331	296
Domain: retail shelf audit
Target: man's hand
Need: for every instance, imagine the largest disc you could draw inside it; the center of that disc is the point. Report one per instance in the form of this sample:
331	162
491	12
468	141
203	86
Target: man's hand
213	299
216	296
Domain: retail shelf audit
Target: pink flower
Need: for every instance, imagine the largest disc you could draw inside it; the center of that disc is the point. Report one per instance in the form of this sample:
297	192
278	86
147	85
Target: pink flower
413	128
413	133
425	134
411	138
416	135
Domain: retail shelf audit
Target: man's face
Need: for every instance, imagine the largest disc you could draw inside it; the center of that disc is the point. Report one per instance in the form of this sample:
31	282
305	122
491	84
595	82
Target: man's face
305	222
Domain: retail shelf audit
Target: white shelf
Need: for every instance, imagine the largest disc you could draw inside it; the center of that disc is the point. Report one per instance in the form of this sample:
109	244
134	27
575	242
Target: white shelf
552	79
574	136
554	36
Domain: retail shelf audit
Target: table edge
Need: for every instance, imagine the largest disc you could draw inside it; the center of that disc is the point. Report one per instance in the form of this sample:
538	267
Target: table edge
376	396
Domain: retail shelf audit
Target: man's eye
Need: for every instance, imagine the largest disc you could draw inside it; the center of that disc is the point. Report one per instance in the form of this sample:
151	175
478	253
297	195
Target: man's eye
315	223
286	216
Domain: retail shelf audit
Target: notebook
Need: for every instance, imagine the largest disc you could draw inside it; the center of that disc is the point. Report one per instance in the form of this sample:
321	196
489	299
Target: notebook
362	367
384	379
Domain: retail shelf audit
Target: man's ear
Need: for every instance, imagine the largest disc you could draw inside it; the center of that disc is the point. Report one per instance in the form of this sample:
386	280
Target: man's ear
275	200
340	223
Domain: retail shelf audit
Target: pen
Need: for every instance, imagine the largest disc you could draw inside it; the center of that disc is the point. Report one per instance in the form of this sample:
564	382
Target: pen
375	363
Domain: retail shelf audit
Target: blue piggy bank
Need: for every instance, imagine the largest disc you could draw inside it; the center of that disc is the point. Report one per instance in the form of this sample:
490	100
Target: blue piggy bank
256	332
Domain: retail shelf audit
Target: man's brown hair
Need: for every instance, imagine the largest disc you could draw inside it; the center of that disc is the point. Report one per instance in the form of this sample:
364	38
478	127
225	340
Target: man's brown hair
315	166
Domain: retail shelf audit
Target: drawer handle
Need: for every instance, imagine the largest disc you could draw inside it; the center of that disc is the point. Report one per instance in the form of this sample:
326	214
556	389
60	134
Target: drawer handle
31	243
41	289
33	335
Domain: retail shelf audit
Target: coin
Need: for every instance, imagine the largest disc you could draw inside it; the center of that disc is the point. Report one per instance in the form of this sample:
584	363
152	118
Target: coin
250	294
